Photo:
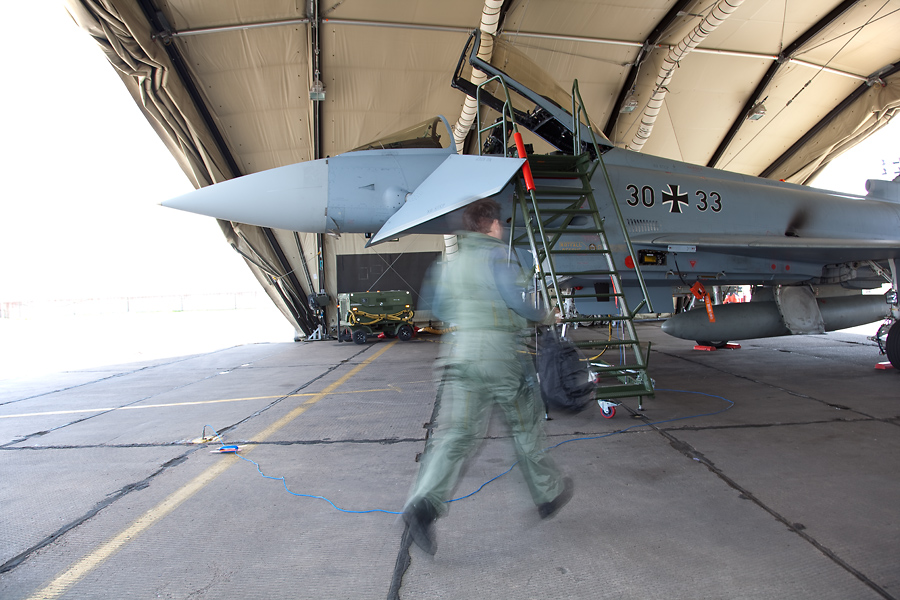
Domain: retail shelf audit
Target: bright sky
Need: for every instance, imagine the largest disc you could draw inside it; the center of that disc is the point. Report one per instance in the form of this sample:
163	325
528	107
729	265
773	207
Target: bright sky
84	173
878	157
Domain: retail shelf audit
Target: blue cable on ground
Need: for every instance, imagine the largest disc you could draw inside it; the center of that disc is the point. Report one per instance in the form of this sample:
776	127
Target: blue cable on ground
482	486
335	506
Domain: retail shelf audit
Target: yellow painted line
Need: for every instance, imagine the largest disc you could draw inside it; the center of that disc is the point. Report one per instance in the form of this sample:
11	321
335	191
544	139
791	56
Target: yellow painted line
173	404
76	572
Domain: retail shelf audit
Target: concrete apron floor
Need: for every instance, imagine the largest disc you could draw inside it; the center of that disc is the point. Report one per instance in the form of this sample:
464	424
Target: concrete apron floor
765	472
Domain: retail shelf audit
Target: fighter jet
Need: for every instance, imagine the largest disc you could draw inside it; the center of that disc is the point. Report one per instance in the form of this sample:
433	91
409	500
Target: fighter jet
808	253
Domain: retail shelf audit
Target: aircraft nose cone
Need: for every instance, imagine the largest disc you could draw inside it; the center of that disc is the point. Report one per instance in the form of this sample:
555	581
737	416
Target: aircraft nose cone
294	198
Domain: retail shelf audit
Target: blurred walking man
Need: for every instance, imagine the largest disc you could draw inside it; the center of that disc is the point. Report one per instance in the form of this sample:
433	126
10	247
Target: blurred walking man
481	295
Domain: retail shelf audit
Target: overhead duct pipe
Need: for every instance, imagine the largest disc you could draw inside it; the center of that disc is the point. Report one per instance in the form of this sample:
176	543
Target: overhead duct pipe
716	17
490	19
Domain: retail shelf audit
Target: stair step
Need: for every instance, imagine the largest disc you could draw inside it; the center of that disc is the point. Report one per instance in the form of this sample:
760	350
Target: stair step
572	230
634	372
549	213
594	296
621	391
583	251
559	162
545	191
599	344
557	168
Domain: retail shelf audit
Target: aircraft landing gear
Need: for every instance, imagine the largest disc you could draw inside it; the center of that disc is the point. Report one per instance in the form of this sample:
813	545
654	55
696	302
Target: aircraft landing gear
888	336
888	340
892	344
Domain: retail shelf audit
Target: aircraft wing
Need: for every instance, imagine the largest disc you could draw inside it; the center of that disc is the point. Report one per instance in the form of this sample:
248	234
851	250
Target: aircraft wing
457	182
820	249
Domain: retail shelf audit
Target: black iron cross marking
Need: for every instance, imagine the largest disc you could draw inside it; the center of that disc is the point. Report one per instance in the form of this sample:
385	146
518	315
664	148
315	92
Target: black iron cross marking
675	199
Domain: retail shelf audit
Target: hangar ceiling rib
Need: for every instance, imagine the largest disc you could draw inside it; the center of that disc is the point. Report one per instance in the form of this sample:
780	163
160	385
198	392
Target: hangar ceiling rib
792	49
386	64
226	85
616	50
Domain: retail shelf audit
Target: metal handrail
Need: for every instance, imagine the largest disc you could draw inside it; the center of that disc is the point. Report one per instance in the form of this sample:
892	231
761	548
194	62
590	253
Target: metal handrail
579	109
507	110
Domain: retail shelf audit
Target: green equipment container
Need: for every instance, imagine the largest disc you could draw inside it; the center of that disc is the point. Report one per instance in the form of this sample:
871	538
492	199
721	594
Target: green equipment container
370	313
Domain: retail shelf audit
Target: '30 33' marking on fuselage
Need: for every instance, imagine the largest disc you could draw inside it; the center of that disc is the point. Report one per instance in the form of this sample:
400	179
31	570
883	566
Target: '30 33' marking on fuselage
676	200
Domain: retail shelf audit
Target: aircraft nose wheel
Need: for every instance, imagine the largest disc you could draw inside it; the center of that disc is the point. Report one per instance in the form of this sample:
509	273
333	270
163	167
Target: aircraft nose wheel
607	409
888	340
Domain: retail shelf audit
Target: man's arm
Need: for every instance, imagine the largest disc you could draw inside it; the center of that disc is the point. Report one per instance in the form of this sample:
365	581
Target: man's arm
506	274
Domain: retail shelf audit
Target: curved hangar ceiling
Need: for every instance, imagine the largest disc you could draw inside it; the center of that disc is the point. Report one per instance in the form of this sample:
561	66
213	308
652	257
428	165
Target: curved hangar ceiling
773	88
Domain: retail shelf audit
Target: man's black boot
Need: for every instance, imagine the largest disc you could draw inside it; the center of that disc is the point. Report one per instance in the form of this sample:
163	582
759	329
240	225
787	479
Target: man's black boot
548	509
419	518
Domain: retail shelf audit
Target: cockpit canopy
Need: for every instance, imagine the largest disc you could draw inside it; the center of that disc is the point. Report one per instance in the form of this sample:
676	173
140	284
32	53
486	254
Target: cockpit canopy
431	133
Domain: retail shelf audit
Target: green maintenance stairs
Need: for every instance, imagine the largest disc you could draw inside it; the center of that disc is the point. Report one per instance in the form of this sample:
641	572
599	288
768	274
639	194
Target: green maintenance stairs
563	227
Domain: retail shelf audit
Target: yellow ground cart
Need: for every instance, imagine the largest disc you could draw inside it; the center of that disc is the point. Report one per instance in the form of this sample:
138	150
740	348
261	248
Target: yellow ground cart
372	313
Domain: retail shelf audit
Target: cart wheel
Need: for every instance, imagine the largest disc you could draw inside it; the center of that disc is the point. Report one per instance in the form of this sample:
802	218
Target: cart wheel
405	333
359	336
606	409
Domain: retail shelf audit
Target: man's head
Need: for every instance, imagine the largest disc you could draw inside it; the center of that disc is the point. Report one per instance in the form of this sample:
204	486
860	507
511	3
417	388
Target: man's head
481	215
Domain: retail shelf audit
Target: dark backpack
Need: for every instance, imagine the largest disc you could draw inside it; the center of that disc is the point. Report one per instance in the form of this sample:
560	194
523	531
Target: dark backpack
564	377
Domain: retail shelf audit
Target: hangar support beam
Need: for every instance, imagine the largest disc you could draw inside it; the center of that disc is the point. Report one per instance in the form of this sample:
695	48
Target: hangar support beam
315	23
159	24
653	106
296	306
774	170
773	69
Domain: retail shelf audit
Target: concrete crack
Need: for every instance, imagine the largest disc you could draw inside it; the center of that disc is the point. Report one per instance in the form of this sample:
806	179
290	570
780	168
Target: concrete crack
692	453
114	497
99	506
108	377
891	420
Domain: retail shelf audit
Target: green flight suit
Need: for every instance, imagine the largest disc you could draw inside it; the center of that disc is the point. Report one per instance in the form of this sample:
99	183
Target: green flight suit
486	364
